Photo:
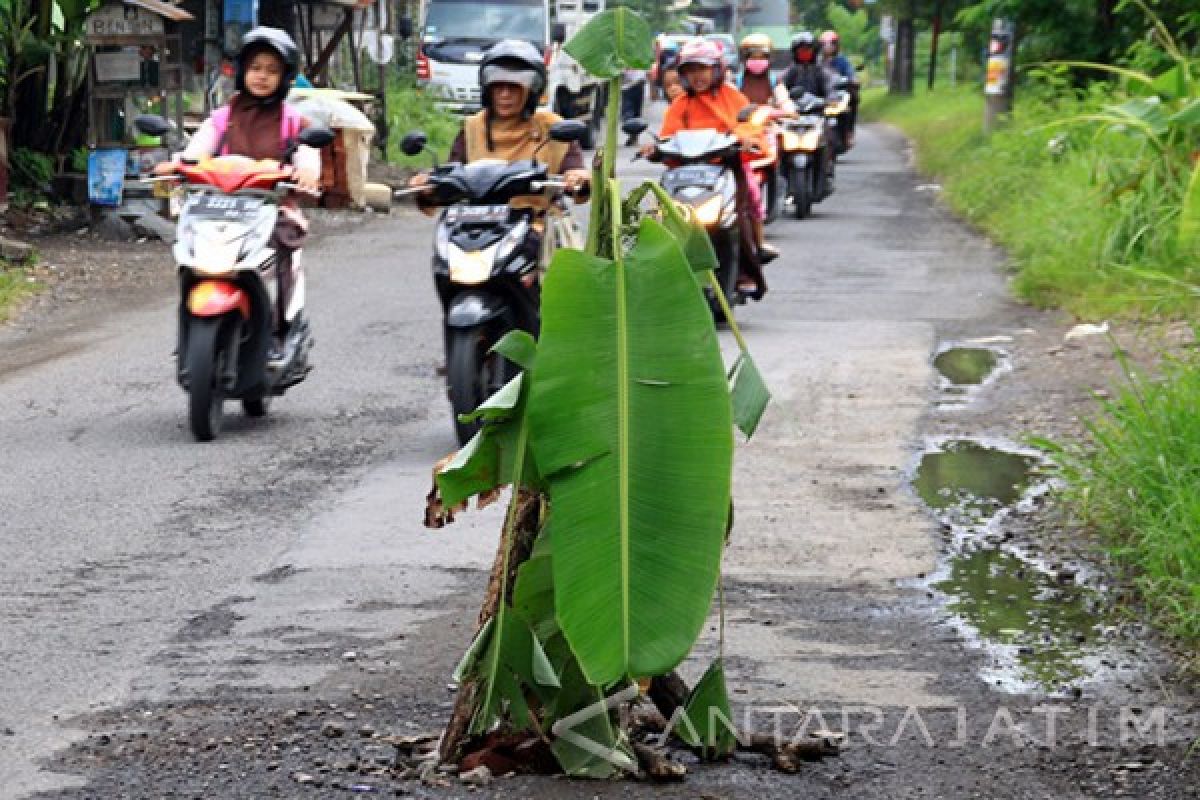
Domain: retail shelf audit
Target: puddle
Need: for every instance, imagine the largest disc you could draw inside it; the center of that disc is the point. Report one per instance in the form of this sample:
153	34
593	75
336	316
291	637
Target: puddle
1040	625
965	366
973	478
1044	623
963	370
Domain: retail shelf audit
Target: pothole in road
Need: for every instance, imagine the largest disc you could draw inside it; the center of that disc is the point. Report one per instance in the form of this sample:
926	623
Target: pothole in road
1040	624
964	370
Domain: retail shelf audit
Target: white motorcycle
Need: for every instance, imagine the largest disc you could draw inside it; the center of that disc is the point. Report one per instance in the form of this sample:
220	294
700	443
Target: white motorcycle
229	287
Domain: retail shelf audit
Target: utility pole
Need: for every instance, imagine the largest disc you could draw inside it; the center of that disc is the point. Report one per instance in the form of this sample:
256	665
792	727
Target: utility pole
999	88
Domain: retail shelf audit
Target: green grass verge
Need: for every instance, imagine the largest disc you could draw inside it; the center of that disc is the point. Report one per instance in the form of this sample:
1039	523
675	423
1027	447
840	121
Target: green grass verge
1030	187
411	109
14	285
1136	482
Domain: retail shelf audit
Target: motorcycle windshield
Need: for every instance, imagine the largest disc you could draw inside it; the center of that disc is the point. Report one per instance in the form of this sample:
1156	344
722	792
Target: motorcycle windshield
697	143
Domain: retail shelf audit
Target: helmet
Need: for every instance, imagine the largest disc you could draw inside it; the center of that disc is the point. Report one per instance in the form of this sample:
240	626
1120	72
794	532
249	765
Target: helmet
271	40
804	39
830	39
706	53
513	61
756	44
702	51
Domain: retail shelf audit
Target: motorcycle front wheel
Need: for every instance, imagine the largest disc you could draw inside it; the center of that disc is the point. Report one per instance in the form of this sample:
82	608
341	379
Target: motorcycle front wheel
801	194
473	375
206	352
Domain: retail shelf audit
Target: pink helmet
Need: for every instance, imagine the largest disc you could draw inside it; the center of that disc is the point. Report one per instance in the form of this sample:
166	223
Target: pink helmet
702	51
830	37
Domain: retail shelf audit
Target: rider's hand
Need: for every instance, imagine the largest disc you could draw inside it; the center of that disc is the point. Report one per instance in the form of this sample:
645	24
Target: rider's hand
308	180
419	181
576	179
165	168
647	149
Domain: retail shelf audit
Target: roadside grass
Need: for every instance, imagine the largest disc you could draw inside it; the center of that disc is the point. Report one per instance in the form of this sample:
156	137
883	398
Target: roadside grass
411	109
1032	186
1136	483
14	285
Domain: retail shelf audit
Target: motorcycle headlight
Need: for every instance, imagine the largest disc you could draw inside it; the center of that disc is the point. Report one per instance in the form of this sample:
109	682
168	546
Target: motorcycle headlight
512	241
470	267
708	211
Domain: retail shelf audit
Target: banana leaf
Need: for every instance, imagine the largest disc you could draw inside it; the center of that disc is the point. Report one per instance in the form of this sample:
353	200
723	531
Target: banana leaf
631	428
750	394
708	721
612	41
1189	215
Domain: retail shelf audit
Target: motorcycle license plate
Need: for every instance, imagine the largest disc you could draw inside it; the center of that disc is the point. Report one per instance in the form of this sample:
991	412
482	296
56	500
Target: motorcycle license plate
701	177
476	215
223	206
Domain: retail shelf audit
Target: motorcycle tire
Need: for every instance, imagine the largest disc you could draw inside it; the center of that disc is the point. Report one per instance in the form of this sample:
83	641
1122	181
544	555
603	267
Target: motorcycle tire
473	374
801	193
205	362
728	257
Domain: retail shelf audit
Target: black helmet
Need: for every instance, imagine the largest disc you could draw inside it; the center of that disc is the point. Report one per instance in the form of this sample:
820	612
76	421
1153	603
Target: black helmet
271	40
804	39
513	61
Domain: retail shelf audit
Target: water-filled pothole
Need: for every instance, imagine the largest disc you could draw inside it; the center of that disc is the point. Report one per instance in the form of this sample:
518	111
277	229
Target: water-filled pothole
1044	621
973	478
966	366
964	370
1038	623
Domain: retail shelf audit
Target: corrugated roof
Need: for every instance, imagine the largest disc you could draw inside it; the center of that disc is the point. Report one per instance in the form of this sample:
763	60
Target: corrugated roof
166	10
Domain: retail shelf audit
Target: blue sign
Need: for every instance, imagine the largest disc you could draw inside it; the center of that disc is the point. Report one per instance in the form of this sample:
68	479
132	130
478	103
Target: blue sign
239	17
106	176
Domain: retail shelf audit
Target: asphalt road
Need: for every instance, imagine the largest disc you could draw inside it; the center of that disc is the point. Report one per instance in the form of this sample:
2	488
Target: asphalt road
141	570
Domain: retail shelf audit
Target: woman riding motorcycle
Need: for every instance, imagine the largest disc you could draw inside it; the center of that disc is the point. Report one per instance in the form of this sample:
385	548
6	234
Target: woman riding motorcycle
512	77
806	72
840	65
259	124
756	81
711	103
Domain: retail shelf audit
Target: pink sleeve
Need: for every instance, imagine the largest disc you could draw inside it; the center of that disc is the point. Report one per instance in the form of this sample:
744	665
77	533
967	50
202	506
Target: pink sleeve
204	142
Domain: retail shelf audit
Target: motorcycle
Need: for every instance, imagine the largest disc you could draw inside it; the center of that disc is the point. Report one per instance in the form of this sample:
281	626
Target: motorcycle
807	161
700	175
228	283
764	163
837	111
487	265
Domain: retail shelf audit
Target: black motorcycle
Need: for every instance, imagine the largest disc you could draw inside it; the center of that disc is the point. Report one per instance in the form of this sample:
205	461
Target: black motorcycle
487	259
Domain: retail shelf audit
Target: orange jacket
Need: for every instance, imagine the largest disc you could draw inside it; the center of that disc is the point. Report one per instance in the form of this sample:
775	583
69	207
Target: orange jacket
716	110
713	109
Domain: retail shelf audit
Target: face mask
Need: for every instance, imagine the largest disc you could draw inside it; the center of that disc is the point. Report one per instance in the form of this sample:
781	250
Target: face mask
757	66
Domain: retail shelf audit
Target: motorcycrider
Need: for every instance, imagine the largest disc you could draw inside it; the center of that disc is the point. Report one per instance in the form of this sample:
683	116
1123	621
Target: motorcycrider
488	255
701	174
807	159
764	158
229	286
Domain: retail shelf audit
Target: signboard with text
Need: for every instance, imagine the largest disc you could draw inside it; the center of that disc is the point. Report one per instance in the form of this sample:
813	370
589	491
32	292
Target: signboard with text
121	20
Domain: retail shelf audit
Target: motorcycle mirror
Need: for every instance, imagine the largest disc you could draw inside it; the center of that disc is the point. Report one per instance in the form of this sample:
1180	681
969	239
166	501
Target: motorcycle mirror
568	130
634	126
413	143
151	124
317	136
